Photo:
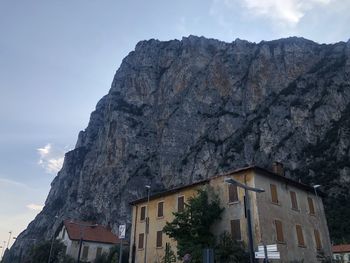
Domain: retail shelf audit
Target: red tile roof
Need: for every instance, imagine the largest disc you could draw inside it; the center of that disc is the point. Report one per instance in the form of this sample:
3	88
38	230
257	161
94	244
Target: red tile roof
90	232
341	248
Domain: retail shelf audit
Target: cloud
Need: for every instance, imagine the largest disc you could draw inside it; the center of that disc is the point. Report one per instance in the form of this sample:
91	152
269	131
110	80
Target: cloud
50	159
35	207
284	12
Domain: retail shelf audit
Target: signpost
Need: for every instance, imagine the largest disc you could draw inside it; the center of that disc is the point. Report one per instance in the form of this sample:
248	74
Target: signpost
268	252
121	236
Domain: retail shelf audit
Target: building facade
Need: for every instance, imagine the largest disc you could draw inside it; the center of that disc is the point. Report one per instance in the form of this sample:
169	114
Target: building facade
289	214
96	239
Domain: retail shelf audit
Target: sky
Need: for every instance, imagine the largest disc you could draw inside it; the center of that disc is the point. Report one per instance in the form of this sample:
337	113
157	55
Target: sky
58	58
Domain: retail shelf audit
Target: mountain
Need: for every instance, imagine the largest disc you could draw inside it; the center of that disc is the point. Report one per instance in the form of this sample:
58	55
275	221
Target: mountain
181	111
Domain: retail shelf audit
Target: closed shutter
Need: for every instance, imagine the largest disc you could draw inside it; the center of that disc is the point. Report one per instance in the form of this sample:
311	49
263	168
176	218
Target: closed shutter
279	231
317	239
143	213
98	252
293	198
236	229
232	193
141	237
85	252
160	209
274	196
300	235
159	238
311	205
180	203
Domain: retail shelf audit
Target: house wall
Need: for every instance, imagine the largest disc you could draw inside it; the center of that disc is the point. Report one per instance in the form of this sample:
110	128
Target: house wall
268	212
155	254
342	257
73	247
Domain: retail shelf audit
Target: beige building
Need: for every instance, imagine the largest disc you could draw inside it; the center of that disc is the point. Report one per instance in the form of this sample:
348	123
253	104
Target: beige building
288	214
96	239
341	253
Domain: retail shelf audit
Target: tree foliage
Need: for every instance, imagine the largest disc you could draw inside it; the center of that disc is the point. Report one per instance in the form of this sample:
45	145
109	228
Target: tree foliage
230	251
169	255
41	252
191	227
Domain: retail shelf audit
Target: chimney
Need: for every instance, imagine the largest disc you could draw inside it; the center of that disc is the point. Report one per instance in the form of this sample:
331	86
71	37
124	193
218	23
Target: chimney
277	168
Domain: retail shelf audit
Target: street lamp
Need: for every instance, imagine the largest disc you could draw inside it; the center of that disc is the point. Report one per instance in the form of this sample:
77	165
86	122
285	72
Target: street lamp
81	235
8	242
146	223
247	210
3	249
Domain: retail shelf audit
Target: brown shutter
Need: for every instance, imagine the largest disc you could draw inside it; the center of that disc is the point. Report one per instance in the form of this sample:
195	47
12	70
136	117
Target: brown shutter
317	239
311	205
143	213
141	237
160	209
300	235
232	193
159	238
98	252
279	231
180	203
293	198
236	229
274	196
85	252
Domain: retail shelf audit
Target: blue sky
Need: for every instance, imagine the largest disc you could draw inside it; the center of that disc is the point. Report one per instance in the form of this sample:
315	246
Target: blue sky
58	58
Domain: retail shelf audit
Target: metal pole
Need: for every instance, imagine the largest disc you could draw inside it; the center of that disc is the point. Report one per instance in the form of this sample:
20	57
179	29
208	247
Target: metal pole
147	224
80	242
8	242
3	250
266	260
249	226
121	251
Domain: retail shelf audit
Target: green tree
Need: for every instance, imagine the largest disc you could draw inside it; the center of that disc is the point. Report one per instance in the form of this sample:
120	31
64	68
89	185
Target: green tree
230	251
169	255
40	253
191	227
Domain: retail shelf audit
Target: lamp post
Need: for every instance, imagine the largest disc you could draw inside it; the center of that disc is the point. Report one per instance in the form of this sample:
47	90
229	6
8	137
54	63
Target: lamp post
8	242
247	211
146	223
52	239
81	235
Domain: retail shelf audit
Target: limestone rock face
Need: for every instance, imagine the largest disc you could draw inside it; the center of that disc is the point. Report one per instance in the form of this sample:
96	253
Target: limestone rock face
181	111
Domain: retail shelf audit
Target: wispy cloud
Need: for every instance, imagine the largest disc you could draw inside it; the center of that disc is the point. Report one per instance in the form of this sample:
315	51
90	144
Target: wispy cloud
35	207
7	182
50	159
286	12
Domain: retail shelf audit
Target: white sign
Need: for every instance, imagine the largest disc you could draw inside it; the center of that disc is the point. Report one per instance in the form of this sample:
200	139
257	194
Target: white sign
121	232
270	255
268	247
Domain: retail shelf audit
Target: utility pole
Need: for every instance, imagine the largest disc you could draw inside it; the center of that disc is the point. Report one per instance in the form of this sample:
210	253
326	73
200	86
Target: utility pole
146	223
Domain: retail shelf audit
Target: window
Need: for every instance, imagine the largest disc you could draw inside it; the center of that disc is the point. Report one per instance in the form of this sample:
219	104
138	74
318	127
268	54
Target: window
293	198
98	251
85	252
300	235
317	239
232	193
180	203
141	237
160	209
159	238
279	231
236	229
143	213
311	206
274	196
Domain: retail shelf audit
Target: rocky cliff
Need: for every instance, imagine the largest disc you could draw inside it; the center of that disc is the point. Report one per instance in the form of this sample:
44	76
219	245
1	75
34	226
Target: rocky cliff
181	111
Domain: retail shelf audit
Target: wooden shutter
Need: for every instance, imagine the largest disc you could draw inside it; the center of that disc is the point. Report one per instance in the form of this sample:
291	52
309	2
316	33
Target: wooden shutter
279	231
232	193
300	235
159	238
143	213
160	209
98	252
141	237
274	196
85	252
236	229
311	205
293	198
317	239
180	203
